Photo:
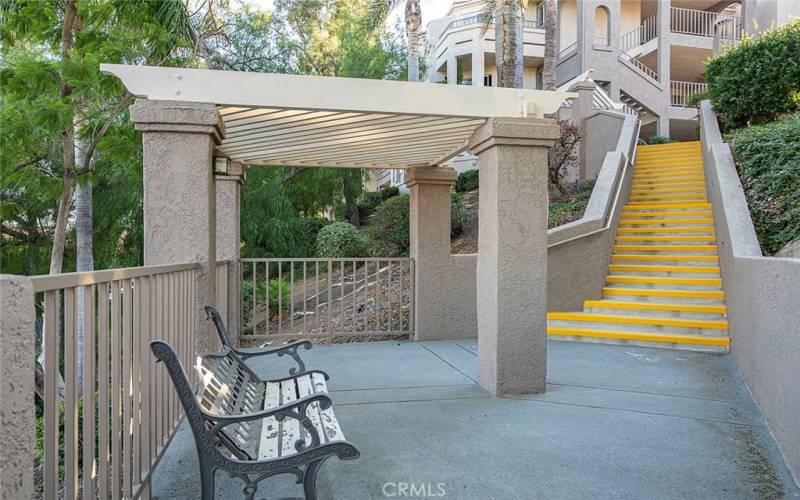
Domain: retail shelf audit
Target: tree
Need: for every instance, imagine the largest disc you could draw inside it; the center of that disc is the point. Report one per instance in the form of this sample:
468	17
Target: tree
508	17
549	66
413	22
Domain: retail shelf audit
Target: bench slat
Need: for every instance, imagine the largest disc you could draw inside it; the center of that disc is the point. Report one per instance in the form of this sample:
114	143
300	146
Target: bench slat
306	388
268	448
290	427
331	428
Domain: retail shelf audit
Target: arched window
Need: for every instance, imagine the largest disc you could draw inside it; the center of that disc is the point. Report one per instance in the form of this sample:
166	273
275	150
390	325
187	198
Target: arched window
602	26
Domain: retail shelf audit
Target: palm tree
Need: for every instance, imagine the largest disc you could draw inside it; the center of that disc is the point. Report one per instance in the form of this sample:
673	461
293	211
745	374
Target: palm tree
549	67
413	21
508	17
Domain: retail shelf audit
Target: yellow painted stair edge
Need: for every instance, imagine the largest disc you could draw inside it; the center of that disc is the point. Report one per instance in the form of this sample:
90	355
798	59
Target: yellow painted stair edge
637	320
644	337
694	294
656	306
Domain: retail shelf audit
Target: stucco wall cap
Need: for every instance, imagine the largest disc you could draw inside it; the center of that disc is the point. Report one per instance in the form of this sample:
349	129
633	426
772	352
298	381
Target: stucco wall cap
177	116
514	132
431	175
585	85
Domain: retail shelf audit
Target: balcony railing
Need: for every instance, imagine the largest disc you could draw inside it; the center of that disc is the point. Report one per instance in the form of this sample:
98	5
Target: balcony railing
680	92
568	51
701	22
601	40
533	24
119	411
640	35
639	66
326	297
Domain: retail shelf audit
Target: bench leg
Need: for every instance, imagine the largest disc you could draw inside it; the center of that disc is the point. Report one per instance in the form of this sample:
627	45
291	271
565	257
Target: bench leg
207	481
310	479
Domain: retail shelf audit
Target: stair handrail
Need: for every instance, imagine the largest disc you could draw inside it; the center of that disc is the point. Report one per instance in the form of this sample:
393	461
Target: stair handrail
640	35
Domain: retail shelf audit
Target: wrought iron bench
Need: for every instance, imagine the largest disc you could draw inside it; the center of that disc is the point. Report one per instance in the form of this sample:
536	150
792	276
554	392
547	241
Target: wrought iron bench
252	428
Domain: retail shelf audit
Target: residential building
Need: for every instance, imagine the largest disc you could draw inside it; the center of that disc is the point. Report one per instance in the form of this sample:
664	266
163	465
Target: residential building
648	54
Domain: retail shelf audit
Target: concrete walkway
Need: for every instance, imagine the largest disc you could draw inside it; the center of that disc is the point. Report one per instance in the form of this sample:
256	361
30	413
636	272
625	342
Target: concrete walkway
616	422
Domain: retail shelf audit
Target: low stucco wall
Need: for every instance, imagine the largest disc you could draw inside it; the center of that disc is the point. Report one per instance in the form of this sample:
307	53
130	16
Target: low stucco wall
578	253
762	295
462	296
602	131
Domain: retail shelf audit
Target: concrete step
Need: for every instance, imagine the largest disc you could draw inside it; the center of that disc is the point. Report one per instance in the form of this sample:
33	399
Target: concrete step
663	282
678	271
644	339
661	205
664	166
654	190
666	250
676	222
666	214
665	260
702	239
635	293
669	180
659	197
675	326
666	230
662	185
648	309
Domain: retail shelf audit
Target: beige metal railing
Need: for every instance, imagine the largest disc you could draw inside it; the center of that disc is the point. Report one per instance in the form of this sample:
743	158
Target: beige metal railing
222	289
699	22
601	40
639	66
286	298
680	92
133	411
640	35
568	51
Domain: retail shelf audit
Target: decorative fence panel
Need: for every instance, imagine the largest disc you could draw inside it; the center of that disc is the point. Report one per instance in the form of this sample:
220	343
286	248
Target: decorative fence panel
701	22
640	35
289	298
98	327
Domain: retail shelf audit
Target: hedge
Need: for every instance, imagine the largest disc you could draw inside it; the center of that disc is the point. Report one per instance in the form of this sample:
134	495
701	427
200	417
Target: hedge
341	239
467	181
768	160
759	80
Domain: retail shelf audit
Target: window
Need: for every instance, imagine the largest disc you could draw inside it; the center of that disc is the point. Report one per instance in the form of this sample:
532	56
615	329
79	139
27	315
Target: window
540	13
487	81
602	26
539	79
398	177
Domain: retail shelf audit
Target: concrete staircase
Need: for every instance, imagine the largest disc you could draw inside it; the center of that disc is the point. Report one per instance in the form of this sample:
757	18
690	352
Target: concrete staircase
663	287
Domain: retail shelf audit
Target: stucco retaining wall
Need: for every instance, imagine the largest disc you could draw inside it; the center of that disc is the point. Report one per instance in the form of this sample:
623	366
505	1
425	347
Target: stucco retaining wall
762	295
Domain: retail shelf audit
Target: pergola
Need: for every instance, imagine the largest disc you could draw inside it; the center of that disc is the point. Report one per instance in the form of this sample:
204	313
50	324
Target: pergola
192	118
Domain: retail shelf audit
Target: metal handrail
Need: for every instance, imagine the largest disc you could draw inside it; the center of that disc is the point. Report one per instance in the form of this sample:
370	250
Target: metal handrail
699	22
47	282
640	34
680	92
568	51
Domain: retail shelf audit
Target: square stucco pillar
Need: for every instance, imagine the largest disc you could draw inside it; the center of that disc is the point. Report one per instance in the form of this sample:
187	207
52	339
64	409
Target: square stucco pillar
478	65
229	237
663	62
17	411
180	218
430	247
582	108
512	253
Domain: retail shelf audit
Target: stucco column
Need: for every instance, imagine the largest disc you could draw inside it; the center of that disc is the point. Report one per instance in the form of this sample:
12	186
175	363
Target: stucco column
583	107
478	67
512	253
430	247
229	237
17	411
664	36
179	193
452	66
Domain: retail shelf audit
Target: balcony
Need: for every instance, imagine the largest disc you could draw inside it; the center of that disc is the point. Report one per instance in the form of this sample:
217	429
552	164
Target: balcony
681	93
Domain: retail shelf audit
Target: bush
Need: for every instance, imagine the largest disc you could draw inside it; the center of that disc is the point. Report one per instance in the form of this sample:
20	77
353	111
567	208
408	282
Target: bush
371	200
768	160
759	80
456	213
388	227
467	181
660	139
341	239
275	286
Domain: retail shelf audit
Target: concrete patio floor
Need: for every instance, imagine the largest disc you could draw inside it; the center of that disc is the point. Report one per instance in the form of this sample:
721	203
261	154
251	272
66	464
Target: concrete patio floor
621	422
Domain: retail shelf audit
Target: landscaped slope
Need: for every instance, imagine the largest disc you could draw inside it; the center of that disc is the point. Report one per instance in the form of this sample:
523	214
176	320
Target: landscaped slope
663	286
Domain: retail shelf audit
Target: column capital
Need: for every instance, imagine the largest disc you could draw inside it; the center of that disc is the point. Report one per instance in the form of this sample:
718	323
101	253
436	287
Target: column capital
446	176
585	85
151	115
514	132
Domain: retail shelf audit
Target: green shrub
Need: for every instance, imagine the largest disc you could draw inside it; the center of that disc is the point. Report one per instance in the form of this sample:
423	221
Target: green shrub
280	292
341	239
456	213
660	139
768	160
759	80
467	181
371	200
388	227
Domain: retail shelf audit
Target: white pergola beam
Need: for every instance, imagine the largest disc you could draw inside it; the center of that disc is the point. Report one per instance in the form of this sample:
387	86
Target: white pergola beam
318	93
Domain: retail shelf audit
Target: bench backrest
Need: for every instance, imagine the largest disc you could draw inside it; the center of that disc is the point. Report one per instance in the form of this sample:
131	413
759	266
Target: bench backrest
222	331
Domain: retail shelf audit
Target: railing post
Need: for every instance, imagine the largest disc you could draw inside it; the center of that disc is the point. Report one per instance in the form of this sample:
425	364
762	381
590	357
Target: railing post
17	412
664	34
229	188
512	261
180	219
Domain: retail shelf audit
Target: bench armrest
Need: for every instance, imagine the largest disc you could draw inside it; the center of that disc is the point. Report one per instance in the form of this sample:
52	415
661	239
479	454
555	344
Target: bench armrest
296	409
288	350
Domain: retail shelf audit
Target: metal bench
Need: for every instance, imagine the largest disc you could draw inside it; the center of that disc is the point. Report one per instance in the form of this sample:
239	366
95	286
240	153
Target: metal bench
252	428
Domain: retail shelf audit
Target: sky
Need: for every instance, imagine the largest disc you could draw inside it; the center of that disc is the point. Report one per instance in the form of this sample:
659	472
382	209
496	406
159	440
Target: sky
431	9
